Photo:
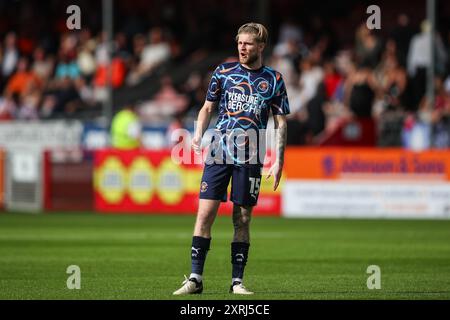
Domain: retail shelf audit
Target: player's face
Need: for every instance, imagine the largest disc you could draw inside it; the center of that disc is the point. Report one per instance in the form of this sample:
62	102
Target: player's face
249	49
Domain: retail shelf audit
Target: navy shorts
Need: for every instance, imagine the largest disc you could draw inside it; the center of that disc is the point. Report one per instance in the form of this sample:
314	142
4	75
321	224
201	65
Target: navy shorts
245	183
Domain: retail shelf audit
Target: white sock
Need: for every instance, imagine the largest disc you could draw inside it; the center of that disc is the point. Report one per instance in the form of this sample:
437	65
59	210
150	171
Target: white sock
236	279
197	277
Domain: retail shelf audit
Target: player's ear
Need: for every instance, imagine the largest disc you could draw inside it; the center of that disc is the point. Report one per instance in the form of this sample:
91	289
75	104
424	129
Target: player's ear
261	46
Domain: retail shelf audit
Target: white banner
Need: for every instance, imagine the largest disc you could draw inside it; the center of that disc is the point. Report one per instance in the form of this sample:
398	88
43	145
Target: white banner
40	135
24	185
358	199
25	167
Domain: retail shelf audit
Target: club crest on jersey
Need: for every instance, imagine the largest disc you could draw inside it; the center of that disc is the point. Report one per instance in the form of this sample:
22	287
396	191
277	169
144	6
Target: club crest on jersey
263	86
203	187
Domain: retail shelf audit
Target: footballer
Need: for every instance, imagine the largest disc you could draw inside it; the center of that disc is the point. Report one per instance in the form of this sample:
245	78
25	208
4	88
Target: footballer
245	93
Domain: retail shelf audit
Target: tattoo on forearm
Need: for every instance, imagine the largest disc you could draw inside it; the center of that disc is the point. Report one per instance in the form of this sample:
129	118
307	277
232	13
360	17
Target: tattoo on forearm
281	134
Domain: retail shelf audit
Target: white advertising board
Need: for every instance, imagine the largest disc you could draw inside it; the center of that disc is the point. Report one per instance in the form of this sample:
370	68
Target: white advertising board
359	199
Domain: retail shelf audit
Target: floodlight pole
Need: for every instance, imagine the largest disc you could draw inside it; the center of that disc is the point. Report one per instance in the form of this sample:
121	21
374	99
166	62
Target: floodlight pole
431	17
107	14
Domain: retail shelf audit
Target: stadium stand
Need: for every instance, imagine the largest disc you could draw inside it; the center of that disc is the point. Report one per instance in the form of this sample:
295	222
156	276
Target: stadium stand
49	72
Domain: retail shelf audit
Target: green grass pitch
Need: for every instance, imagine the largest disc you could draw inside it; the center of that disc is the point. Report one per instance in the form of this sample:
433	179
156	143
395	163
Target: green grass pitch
145	257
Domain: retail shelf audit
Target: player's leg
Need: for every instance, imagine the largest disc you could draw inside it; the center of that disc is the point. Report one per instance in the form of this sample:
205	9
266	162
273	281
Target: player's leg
245	191
212	191
240	246
207	211
206	214
201	240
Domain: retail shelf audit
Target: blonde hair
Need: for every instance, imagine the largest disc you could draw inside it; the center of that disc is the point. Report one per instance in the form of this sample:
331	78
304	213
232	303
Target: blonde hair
257	29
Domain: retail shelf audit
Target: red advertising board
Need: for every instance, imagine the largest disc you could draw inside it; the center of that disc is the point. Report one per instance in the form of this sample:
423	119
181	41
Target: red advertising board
144	181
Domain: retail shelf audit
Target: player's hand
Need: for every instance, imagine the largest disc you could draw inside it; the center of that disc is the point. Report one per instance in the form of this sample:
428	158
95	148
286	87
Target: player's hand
196	144
275	171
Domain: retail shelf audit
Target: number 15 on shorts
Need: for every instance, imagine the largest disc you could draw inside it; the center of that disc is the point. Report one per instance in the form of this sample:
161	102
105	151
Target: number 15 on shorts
254	186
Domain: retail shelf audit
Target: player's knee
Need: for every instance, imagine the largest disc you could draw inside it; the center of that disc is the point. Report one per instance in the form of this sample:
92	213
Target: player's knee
245	220
241	221
205	218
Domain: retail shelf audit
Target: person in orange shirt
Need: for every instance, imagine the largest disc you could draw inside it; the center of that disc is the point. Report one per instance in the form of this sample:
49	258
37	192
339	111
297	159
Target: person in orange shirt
22	80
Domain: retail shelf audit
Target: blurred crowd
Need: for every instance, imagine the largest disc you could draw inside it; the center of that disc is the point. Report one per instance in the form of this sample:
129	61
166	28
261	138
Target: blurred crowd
380	78
42	85
376	76
48	71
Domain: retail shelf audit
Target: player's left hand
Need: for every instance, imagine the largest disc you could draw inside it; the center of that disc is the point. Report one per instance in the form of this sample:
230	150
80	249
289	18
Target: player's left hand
275	171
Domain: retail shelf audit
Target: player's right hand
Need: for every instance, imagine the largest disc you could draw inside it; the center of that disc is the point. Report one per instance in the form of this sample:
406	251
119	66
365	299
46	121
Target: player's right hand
196	144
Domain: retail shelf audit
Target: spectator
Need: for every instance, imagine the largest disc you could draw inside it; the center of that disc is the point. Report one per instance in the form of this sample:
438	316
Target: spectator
361	89
101	51
8	107
310	78
62	89
402	35
391	79
55	102
117	74
110	70
23	80
332	79
419	58
86	53
368	46
166	103
441	116
42	65
286	67
151	55
419	54
29	103
121	48
86	61
156	52
316	114
193	89
173	131
139	43
67	67
10	58
290	30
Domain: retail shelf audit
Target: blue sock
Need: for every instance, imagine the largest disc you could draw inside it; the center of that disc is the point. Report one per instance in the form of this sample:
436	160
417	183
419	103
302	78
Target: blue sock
200	247
239	255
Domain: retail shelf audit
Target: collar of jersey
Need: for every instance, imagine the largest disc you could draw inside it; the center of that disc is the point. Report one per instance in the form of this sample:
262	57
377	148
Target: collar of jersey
251	70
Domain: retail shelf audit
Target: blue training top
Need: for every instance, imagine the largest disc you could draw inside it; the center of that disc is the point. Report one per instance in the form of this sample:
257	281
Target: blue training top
245	99
246	96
